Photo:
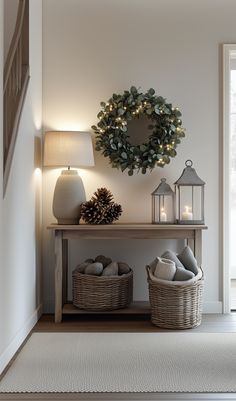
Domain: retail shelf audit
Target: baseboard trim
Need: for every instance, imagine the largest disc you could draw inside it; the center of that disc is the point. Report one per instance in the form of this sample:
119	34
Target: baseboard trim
19	338
213	307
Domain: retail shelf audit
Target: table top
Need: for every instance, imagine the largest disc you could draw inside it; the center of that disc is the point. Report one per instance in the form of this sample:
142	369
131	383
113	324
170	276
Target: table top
126	226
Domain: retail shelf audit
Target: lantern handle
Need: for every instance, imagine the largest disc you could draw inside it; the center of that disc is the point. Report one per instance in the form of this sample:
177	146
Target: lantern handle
163	179
188	163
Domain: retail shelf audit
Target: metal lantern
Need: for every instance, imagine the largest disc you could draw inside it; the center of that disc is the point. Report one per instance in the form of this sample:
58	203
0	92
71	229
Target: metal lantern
189	189
163	204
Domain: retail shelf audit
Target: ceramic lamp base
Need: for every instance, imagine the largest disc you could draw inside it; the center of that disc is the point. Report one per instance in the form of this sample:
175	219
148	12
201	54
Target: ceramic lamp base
68	197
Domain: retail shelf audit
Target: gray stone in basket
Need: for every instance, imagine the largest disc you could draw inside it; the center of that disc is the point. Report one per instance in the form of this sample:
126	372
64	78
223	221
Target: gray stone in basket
81	267
89	261
103	259
172	256
183	274
111	270
123	268
187	258
94	269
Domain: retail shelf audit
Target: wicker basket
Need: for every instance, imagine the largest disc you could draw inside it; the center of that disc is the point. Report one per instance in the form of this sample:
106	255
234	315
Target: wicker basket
99	293
176	304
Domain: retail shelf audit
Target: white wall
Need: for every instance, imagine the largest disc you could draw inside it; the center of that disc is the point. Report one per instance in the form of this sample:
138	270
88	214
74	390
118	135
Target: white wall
105	47
20	270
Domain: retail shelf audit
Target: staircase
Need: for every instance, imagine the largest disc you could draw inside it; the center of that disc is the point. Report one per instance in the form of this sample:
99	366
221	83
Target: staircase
16	78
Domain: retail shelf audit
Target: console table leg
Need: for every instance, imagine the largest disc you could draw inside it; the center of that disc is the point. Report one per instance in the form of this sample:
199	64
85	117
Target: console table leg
198	247
58	276
190	243
65	270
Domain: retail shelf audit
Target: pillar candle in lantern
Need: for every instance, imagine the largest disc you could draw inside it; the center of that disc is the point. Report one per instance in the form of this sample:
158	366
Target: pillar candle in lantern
163	216
187	214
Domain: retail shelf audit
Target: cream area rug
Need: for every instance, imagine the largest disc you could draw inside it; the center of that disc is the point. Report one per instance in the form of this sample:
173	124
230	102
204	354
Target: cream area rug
124	362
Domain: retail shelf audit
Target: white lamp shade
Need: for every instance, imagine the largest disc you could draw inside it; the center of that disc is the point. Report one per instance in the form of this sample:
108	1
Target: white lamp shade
68	149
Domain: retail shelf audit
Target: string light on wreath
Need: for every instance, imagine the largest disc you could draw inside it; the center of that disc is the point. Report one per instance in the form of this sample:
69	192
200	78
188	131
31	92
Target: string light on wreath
112	137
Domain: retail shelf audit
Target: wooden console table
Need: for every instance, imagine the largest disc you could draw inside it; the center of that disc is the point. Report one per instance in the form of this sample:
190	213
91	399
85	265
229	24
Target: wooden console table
62	233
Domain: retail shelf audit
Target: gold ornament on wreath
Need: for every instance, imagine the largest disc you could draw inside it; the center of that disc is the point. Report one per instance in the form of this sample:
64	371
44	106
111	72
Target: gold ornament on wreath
101	209
112	137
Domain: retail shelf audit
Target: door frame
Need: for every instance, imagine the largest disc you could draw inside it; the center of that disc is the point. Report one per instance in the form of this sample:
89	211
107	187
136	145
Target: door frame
228	51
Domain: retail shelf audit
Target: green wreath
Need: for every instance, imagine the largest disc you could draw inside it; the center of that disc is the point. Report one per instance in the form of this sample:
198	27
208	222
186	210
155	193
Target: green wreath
112	136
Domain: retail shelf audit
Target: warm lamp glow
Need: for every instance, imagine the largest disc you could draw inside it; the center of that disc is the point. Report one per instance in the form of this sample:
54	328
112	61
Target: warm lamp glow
68	149
37	172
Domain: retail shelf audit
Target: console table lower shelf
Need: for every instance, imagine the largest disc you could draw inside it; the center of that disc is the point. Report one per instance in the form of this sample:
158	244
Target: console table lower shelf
135	308
63	233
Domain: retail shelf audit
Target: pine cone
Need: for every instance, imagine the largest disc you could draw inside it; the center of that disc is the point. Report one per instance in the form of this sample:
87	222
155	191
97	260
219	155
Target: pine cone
111	213
92	212
103	196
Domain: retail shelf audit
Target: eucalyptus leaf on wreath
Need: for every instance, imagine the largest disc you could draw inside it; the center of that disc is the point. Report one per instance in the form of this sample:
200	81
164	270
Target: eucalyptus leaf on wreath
112	137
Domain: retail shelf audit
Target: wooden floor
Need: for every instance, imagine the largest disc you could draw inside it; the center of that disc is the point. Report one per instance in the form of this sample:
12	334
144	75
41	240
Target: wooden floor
102	323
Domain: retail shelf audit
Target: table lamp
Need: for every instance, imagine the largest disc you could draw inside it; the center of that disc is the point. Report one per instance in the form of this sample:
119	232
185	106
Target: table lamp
68	149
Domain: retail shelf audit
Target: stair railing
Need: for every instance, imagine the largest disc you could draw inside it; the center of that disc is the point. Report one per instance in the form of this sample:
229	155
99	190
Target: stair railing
16	78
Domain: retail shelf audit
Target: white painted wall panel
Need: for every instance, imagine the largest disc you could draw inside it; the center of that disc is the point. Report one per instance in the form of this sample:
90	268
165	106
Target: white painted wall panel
95	48
21	221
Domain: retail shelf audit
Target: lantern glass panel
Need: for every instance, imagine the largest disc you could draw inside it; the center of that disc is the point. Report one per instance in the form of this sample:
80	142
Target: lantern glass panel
190	196
197	205
190	203
190	200
164	209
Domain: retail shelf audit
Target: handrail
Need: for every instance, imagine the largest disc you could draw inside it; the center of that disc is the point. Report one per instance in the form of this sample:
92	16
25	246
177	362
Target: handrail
16	77
14	42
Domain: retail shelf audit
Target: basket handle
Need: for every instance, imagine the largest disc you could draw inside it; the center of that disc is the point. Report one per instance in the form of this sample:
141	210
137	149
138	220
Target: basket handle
148	272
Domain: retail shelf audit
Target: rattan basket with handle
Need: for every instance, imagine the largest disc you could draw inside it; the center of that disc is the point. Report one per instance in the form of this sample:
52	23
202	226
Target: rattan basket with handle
102	293
176	304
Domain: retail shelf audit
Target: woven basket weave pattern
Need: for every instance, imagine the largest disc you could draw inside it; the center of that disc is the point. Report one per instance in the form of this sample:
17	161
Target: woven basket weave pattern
102	293
177	307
